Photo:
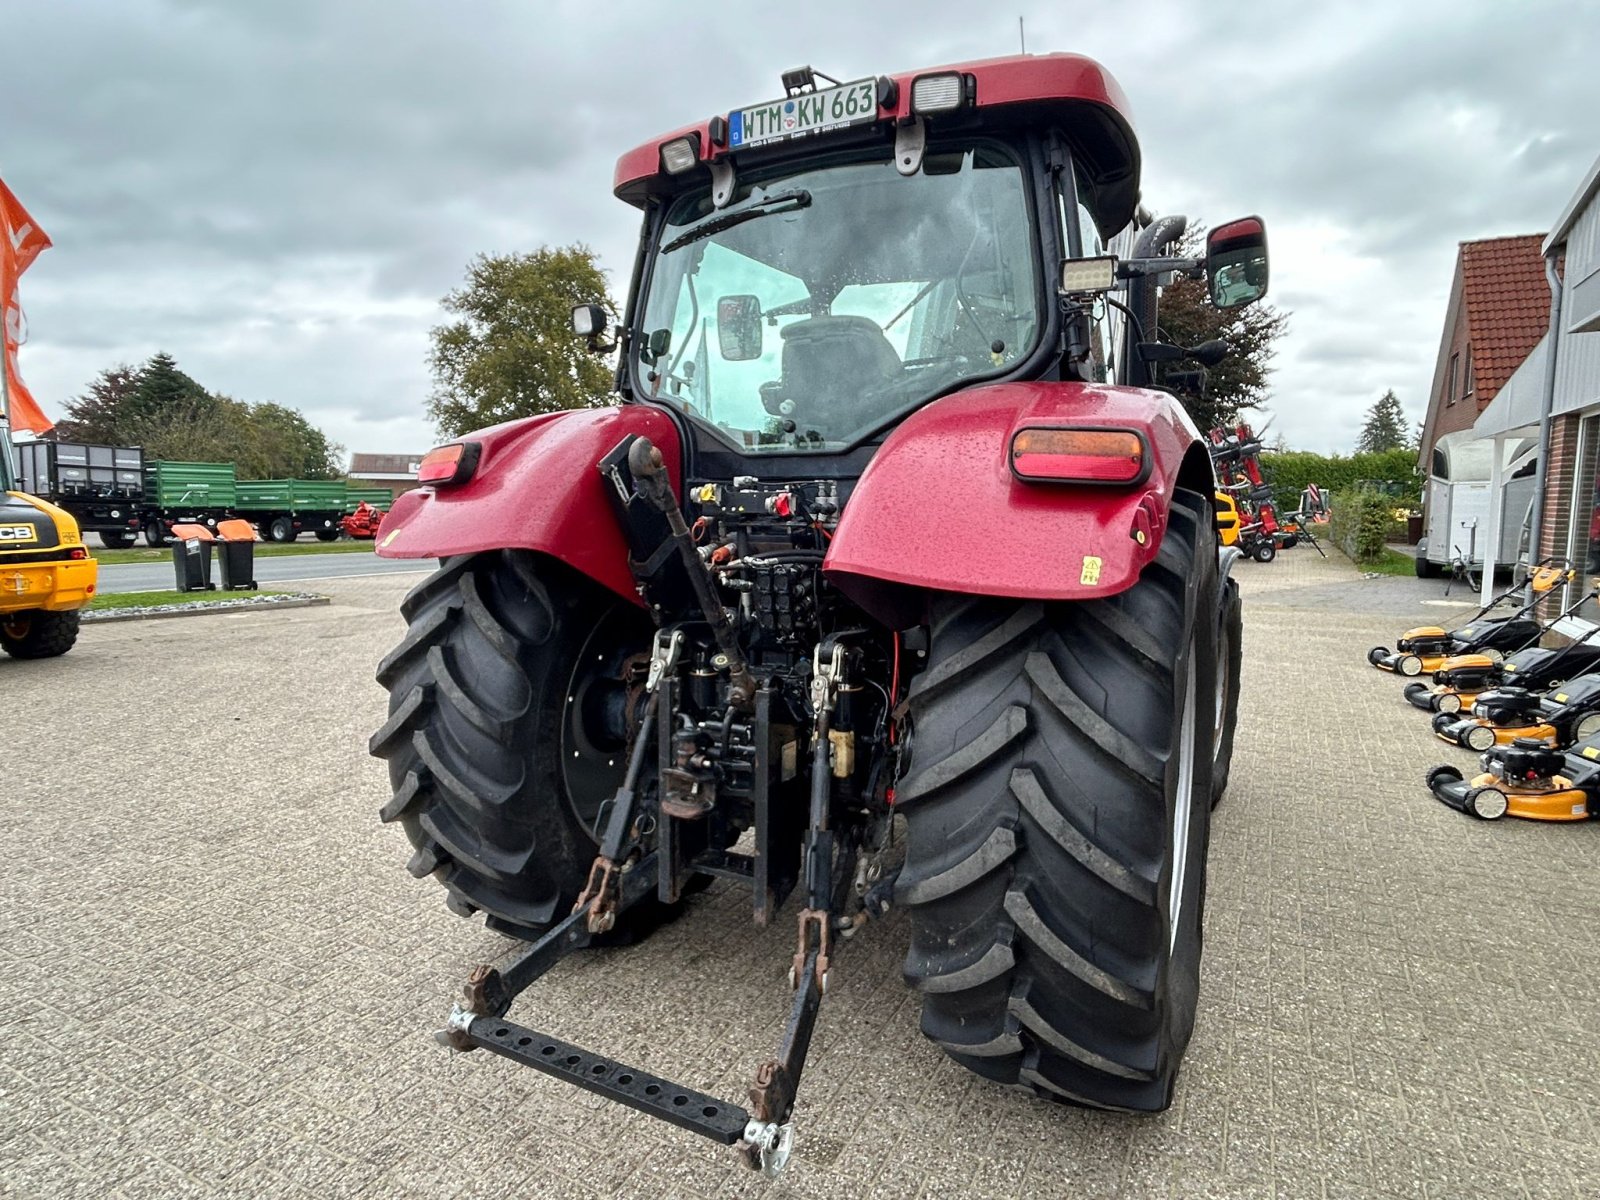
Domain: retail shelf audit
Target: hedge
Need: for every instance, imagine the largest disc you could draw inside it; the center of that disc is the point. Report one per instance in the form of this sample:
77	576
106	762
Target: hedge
1395	470
1359	522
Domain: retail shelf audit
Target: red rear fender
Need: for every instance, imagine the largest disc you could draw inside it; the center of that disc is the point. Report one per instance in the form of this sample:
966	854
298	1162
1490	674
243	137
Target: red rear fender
536	486
939	508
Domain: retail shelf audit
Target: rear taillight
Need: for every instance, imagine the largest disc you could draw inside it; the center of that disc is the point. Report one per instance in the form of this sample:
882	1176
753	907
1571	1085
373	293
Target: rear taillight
1106	456
452	463
77	552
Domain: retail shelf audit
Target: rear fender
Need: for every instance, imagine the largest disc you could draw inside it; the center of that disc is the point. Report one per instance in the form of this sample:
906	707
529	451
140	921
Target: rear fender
938	508
537	486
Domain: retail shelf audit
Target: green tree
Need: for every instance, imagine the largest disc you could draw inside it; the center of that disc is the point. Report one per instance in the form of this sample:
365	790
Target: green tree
93	416
164	393
1385	427
511	352
1188	318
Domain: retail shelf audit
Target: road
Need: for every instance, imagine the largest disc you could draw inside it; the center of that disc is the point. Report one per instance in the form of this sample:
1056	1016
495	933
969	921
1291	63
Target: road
270	572
217	978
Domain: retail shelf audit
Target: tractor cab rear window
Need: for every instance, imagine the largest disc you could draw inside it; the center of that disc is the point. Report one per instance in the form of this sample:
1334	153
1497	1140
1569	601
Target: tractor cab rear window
818	306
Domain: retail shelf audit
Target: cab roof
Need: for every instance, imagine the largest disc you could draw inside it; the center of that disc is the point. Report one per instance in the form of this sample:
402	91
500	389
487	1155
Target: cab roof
1068	90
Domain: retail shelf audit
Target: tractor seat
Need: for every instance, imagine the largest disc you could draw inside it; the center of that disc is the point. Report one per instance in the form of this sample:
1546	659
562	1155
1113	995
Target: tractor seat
829	362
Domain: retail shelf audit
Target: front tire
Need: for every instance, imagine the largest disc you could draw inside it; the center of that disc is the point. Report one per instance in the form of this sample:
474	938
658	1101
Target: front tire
1058	811
38	634
1265	552
115	540
497	780
327	535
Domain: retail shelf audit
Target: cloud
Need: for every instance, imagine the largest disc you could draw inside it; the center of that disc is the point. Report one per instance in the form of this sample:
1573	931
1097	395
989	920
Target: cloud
279	194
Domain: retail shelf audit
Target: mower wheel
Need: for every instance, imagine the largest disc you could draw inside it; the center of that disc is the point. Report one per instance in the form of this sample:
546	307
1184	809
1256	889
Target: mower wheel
37	634
1058	816
1447	702
1444	772
1264	552
508	701
1377	655
1487	803
1230	661
1408	664
1289	542
1586	728
1476	737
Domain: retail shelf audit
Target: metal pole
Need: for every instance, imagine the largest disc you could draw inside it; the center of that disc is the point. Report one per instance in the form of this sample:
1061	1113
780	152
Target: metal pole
1546	403
1496	517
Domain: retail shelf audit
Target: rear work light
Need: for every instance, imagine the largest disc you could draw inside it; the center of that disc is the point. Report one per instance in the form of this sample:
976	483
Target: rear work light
938	93
452	463
680	154
1114	456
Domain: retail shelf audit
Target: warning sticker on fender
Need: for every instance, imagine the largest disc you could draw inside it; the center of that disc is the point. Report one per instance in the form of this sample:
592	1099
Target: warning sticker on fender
1091	571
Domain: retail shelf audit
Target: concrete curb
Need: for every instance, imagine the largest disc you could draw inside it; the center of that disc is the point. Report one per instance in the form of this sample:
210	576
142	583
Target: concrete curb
251	604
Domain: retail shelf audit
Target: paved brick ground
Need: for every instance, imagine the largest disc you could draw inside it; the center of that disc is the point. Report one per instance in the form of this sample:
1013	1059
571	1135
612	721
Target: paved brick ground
215	979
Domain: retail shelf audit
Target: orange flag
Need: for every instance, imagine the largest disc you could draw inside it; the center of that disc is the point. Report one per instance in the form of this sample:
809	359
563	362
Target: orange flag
21	241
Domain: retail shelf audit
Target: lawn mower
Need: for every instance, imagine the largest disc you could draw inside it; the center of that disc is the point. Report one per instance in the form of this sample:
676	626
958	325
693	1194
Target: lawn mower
1566	714
1426	647
1461	678
1526	779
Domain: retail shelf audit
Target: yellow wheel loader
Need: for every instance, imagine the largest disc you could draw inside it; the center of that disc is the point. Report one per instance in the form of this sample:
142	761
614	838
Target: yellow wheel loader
46	574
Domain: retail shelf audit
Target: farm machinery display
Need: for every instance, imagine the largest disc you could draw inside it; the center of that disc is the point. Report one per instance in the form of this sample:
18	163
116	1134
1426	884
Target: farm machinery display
871	535
1236	457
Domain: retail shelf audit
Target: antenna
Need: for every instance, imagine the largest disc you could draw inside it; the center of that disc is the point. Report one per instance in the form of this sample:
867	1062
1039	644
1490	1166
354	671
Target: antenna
1022	35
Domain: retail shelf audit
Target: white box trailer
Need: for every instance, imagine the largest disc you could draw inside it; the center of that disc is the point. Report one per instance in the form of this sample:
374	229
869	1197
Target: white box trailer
1456	502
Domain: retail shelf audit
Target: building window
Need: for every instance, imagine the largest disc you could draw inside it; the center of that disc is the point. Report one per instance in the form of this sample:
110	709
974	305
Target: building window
1466	388
1450	379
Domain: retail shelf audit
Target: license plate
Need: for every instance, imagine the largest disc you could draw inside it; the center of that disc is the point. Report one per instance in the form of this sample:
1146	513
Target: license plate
799	116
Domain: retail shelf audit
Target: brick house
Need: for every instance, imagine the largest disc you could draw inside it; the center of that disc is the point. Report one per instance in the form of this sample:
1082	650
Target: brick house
397	472
1499	308
1561	378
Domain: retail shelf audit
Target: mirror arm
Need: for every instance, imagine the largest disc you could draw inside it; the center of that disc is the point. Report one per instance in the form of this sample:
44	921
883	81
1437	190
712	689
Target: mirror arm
1139	268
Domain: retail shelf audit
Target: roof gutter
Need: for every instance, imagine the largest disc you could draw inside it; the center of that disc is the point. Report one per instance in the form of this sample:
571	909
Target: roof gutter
1546	401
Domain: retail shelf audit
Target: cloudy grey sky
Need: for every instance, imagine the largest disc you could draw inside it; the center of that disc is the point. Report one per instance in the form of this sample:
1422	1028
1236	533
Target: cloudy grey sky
279	193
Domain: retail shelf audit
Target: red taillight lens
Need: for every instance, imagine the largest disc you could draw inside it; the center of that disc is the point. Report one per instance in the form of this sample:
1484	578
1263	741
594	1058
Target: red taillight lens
448	464
1079	455
77	552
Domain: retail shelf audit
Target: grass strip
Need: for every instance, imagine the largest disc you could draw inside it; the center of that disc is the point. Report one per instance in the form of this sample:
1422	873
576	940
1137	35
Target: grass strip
149	554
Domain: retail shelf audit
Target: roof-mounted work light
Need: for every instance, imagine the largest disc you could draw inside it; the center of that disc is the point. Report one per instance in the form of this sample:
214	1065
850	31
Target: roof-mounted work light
680	154
938	93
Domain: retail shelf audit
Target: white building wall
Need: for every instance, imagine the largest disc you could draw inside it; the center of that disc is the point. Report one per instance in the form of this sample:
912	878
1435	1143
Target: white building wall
1578	355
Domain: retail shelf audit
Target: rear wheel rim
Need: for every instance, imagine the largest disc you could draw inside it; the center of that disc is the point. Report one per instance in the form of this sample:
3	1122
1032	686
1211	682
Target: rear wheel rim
594	748
1183	807
15	628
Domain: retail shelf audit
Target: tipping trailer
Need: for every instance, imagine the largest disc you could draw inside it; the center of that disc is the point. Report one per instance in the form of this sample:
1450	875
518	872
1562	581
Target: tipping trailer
283	509
102	487
185	493
885	522
380	498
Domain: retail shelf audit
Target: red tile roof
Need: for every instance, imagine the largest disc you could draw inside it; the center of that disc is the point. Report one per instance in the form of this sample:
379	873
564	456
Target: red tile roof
1508	306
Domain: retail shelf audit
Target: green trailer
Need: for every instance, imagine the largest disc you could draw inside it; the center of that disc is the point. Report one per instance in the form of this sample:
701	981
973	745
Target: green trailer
283	509
381	498
195	493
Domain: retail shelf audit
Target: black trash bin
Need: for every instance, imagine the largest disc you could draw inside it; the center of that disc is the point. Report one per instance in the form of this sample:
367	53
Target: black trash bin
191	558
236	554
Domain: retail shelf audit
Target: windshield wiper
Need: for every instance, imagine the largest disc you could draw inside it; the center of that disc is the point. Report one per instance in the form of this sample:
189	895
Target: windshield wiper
782	202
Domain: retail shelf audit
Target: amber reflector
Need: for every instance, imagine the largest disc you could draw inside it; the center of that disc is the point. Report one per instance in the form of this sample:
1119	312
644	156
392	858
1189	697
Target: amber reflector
1078	455
447	464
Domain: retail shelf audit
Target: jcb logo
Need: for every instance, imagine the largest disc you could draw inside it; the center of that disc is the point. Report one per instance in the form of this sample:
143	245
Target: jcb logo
18	533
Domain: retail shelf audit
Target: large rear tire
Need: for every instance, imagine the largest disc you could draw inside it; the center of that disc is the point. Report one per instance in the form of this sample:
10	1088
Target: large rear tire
1230	663
497	778
114	539
1058	811
38	634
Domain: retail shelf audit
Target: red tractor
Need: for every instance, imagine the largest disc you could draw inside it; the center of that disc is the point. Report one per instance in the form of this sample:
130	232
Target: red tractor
885	527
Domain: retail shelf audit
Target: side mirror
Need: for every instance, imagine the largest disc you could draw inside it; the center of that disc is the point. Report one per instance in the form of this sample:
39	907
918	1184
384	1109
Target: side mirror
739	327
1236	262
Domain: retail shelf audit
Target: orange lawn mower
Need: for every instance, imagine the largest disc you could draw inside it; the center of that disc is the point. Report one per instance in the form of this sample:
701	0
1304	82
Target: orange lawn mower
1426	647
1525	779
1569	712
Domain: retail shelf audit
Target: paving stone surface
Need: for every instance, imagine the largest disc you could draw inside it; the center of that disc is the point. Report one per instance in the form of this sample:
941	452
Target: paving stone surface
217	980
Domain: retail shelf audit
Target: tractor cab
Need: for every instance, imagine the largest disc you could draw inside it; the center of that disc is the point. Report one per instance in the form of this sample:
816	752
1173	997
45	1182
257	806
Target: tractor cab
817	267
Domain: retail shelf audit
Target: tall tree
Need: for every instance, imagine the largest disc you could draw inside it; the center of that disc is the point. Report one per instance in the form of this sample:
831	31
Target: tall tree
164	392
512	353
1385	427
93	416
1188	318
